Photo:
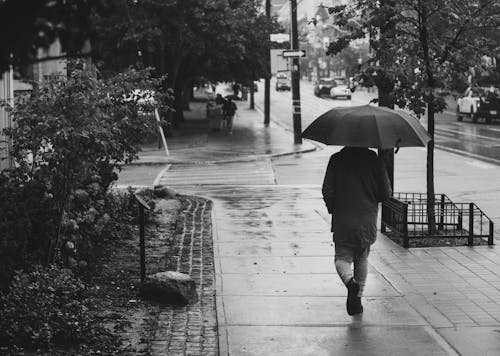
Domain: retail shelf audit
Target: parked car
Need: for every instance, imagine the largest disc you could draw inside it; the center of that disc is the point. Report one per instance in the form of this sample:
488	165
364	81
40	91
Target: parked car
283	81
479	103
323	86
340	88
333	87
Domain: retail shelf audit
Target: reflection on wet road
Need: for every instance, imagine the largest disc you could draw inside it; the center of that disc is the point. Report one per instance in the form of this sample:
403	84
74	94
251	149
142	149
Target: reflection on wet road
477	139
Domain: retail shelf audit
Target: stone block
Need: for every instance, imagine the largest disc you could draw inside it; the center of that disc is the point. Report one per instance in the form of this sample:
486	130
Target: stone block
164	192
170	287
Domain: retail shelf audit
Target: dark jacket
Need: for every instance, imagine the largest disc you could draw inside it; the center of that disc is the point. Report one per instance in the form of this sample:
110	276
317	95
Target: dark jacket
355	182
229	108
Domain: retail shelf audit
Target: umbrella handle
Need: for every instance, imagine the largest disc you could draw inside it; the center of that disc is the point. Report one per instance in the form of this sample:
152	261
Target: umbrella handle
397	146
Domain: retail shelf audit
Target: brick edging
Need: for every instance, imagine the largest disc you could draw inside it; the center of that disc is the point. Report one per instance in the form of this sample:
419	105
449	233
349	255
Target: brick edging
191	329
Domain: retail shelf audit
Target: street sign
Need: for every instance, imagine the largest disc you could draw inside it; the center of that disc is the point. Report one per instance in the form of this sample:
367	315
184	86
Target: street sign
294	53
279	37
278	63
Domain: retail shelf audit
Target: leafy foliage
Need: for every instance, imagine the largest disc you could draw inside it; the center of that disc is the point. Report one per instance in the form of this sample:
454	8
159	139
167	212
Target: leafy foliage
27	25
221	40
46	307
69	138
422	44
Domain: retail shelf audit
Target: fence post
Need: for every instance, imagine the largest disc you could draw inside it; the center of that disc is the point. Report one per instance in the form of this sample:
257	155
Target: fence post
490	235
441	214
460	222
470	240
142	245
406	240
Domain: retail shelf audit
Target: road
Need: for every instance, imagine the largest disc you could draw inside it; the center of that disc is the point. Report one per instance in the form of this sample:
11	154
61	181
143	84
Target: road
477	140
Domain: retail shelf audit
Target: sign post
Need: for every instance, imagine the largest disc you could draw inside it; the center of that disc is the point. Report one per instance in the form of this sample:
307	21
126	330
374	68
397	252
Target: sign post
267	79
294	53
142	245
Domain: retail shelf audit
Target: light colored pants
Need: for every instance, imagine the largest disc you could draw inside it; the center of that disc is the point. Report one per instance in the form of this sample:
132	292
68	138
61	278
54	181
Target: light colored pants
345	256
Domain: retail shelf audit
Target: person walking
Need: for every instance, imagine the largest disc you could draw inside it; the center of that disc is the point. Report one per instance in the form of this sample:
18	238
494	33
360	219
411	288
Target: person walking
355	182
229	109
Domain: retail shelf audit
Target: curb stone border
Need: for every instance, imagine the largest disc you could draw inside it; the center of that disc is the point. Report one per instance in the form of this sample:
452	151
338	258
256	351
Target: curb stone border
190	329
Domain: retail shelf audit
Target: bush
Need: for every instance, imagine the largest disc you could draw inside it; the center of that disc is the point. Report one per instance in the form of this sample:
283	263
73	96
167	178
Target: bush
69	139
26	224
46	307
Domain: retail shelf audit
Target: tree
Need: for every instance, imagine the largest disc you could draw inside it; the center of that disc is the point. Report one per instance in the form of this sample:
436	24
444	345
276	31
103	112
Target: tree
419	44
219	39
27	25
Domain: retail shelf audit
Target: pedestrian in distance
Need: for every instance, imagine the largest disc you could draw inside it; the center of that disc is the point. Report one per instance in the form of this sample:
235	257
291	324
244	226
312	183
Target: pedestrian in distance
229	109
236	89
355	182
219	100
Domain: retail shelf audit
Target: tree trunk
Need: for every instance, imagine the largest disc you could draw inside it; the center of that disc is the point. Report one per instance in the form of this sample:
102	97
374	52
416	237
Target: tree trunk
424	41
187	94
252	97
430	172
178	106
385	86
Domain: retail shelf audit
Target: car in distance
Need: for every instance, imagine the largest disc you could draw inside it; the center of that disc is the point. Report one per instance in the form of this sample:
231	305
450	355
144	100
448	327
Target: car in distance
479	103
340	88
323	86
333	87
282	81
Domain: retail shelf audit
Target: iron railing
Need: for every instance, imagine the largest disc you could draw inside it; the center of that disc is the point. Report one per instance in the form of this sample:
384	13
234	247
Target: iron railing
405	214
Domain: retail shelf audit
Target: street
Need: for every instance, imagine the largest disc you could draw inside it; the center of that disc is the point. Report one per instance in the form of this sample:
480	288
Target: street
476	140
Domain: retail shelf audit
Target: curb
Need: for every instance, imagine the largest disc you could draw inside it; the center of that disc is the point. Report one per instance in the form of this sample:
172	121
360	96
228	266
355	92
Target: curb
468	154
235	160
319	146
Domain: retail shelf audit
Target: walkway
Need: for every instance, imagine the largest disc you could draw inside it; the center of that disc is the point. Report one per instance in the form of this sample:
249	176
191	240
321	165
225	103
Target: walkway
277	290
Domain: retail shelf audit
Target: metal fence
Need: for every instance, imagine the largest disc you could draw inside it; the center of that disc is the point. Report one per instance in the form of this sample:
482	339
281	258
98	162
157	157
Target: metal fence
405	214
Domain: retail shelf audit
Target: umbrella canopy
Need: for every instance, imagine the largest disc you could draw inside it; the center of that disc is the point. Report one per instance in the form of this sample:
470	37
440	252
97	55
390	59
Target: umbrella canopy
367	126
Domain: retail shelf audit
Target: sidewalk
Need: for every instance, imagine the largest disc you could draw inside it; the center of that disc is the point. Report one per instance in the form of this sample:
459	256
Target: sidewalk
277	291
196	142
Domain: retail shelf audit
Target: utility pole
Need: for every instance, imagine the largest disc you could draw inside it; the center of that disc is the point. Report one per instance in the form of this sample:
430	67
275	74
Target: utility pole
267	80
297	125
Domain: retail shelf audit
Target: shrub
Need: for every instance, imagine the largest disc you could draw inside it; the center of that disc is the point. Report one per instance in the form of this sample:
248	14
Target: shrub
46	307
69	139
26	224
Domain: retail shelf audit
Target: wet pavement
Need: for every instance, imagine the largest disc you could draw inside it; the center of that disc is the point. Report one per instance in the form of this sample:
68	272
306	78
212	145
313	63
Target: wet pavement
477	140
277	290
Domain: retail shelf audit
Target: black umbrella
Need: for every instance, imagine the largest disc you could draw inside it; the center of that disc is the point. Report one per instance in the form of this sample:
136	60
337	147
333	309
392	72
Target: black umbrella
367	126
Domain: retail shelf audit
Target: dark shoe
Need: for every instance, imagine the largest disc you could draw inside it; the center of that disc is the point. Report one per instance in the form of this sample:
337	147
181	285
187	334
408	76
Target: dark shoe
353	301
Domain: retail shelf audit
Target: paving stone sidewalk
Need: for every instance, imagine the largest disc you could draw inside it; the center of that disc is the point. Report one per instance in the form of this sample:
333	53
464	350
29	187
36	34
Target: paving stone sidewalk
191	329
